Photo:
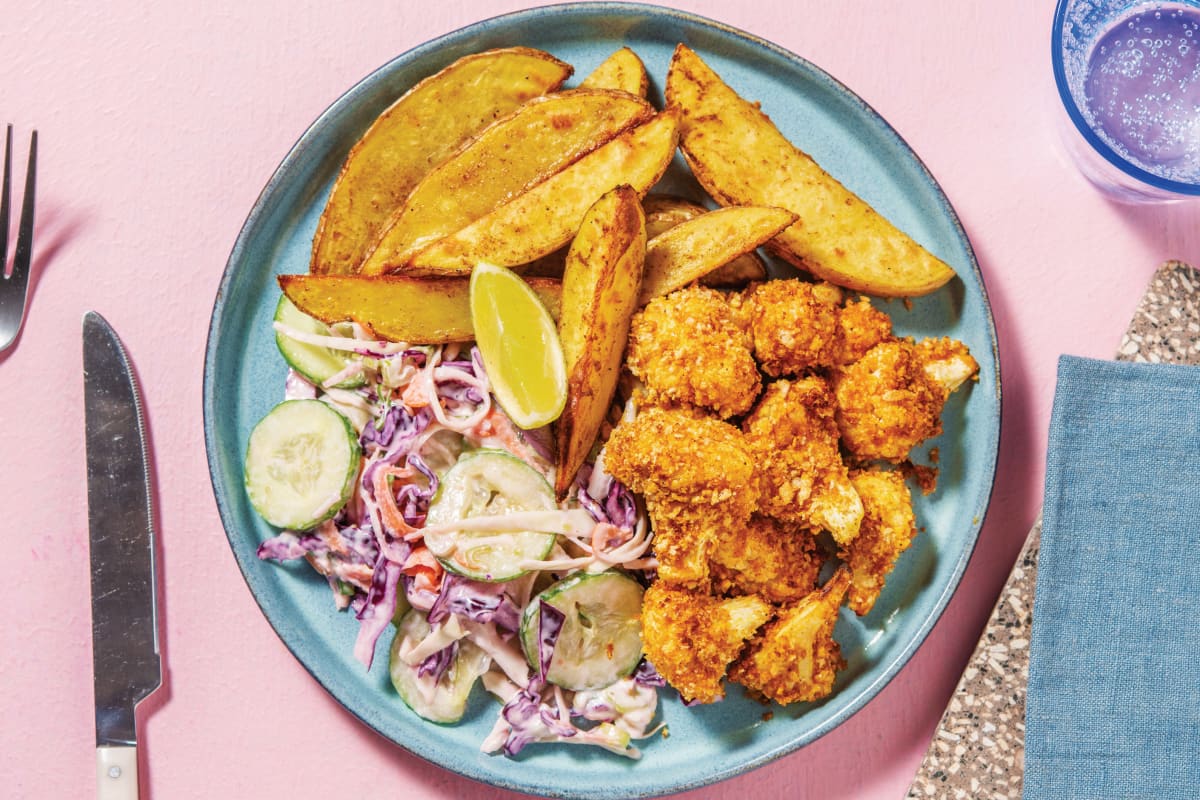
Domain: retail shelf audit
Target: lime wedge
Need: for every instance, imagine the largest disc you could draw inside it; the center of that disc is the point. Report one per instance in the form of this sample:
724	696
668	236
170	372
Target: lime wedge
519	343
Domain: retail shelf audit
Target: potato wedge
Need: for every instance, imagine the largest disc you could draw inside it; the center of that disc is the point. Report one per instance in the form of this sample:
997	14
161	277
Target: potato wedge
665	211
546	217
713	247
550	265
740	157
399	308
599	295
508	157
416	133
696	247
742	270
622	70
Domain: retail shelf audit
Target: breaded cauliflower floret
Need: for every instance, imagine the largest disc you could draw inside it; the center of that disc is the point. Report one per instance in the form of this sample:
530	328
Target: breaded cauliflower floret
861	326
775	560
794	438
685	536
795	658
674	453
691	638
888	529
948	362
793	324
697	476
686	349
886	403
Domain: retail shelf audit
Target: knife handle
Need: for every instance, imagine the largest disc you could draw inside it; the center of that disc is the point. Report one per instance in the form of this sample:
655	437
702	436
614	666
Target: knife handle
116	773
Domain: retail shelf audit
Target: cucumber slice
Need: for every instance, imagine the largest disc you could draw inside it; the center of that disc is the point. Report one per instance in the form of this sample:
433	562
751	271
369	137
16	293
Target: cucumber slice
301	463
444	700
486	483
316	363
601	637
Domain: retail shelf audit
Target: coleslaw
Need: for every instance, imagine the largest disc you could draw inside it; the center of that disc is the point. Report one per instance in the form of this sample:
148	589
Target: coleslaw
450	537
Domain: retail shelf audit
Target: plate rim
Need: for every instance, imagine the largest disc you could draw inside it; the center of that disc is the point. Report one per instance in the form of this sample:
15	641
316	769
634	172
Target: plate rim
593	10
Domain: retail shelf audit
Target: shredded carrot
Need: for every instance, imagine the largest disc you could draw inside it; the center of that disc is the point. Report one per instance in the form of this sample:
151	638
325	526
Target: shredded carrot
357	574
414	394
388	509
606	535
424	569
497	424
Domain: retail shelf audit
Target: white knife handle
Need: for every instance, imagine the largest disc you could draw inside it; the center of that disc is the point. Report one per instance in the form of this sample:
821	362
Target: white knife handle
116	773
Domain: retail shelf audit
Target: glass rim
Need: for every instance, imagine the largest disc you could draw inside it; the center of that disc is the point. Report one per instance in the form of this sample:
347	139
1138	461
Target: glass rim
1077	119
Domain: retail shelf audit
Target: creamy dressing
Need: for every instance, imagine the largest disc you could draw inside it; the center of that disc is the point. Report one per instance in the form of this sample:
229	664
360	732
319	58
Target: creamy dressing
448	416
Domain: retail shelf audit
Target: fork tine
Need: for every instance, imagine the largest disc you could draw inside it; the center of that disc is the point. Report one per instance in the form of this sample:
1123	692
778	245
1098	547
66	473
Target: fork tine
4	203
24	251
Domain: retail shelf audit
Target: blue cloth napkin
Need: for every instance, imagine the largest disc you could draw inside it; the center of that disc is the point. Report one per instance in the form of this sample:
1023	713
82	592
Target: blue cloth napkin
1113	708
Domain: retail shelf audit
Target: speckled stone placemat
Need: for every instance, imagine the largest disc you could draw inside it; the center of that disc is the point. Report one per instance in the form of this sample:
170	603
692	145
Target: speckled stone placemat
978	751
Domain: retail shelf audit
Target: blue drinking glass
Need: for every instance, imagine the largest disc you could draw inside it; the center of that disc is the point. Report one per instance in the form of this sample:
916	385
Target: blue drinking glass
1128	74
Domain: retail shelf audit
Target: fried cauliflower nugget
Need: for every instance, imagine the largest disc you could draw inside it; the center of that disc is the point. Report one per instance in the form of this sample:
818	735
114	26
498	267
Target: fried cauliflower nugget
685	536
691	638
796	326
795	658
675	453
774	560
886	403
793	324
888	529
793	436
891	399
697	476
861	326
947	362
686	348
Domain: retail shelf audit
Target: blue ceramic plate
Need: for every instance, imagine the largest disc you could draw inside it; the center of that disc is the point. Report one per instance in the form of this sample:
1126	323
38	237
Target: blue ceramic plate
244	377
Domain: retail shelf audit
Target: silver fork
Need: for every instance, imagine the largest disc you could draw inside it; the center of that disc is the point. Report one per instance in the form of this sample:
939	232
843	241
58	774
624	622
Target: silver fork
13	288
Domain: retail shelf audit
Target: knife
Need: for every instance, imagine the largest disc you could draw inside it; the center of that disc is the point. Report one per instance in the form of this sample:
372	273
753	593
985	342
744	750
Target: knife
125	657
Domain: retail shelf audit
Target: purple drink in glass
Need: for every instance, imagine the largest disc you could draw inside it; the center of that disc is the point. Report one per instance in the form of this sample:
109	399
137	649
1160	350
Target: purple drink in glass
1142	88
1128	73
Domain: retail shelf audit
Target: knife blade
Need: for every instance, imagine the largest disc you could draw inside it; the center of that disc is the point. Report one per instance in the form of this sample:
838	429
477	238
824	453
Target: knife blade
125	655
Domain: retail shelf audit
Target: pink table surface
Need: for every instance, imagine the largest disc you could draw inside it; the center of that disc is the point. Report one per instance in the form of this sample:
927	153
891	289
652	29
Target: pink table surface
158	130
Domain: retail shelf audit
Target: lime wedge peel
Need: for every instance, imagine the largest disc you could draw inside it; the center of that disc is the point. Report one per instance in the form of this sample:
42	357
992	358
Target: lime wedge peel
518	341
